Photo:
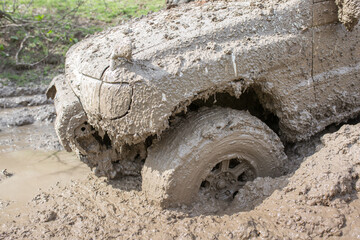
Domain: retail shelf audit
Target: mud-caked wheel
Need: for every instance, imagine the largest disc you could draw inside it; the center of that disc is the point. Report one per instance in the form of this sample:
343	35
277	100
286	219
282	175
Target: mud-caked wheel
214	150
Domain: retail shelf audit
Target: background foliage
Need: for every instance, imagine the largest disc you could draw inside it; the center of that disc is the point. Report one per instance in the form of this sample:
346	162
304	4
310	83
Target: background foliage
33	45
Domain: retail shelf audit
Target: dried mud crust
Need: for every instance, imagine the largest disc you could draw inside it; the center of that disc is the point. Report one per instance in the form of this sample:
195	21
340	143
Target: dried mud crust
349	12
184	157
320	200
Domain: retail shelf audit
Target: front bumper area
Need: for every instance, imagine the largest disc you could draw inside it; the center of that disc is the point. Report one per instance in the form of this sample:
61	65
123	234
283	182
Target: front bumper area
90	143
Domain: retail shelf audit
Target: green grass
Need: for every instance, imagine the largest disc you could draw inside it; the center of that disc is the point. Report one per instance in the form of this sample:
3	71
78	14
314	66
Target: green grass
54	26
102	10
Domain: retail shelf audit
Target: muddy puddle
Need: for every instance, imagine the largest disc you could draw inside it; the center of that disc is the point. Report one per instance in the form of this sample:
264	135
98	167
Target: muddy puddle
35	136
28	171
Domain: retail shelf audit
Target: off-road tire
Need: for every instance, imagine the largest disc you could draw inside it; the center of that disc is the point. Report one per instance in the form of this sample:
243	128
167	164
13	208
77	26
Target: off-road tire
178	163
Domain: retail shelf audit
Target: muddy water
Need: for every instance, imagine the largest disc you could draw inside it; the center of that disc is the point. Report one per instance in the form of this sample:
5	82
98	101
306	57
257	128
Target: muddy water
36	136
13	138
34	170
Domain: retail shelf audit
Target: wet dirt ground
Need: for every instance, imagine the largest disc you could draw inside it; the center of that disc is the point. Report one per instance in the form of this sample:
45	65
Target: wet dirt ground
48	193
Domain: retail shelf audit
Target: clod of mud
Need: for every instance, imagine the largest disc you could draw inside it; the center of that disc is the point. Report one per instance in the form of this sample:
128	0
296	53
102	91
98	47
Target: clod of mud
349	12
5	174
47	216
255	192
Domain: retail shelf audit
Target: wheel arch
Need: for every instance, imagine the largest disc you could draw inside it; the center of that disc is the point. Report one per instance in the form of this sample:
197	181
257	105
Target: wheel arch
252	98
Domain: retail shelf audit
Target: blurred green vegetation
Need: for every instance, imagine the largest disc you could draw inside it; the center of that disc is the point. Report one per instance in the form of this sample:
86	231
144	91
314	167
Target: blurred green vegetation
32	48
102	10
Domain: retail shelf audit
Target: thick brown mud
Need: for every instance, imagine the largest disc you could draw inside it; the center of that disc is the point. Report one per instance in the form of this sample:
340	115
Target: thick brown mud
319	200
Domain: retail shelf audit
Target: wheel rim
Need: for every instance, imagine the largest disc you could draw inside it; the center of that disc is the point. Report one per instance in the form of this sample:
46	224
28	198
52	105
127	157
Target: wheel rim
226	178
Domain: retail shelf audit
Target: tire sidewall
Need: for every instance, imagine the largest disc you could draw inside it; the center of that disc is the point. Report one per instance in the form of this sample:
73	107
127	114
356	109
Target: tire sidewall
227	145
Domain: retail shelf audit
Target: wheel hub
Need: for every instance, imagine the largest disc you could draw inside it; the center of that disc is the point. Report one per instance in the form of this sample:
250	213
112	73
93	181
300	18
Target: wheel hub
221	184
226	178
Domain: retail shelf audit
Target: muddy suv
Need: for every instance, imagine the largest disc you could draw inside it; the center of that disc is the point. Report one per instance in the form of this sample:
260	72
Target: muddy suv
203	97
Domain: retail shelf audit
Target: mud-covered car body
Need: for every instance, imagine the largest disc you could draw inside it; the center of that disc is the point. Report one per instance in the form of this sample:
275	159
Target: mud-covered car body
301	63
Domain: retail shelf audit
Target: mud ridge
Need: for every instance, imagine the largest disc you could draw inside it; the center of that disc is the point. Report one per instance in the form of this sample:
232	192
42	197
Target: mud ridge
26	119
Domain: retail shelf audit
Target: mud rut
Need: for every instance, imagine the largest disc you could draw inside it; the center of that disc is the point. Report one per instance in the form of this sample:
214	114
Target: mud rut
319	198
